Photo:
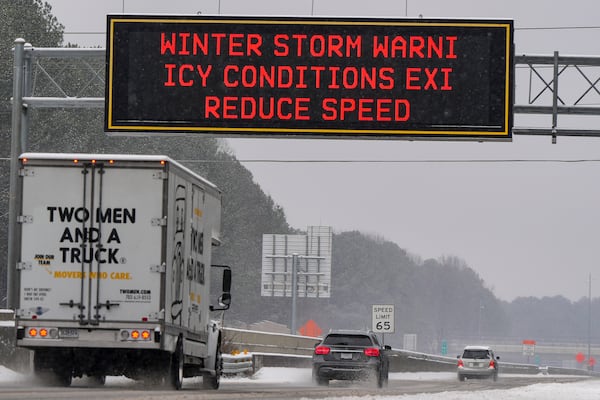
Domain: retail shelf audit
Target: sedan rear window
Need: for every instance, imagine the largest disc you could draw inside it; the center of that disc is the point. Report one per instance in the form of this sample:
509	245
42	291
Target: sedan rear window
476	354
347	340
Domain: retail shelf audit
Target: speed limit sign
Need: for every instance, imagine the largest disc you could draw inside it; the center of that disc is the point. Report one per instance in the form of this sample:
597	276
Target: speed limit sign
383	318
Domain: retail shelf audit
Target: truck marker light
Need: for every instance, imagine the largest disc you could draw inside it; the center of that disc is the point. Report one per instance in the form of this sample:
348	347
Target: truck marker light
25	160
145	335
93	161
111	161
135	335
145	319
32	332
43	332
75	161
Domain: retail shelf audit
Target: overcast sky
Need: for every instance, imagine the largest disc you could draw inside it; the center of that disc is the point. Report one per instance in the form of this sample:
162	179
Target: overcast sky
527	228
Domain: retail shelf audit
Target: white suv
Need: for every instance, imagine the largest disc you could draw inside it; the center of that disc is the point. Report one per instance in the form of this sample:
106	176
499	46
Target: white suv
477	362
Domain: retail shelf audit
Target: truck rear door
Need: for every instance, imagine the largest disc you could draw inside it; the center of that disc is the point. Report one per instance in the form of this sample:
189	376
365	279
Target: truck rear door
91	242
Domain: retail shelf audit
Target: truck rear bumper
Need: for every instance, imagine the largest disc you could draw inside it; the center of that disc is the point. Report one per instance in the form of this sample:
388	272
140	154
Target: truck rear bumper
53	334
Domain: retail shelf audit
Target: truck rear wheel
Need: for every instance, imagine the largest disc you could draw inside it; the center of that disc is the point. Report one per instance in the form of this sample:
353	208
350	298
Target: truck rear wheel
176	370
55	378
51	370
98	380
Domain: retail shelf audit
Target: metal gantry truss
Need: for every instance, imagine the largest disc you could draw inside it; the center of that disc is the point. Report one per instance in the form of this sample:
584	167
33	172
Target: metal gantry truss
578	77
556	84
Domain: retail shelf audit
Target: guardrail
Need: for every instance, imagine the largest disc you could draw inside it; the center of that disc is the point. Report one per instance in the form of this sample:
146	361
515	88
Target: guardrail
264	342
284	350
236	364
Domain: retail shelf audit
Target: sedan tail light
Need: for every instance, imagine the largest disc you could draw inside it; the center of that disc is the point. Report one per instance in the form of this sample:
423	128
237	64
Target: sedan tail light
322	350
372	352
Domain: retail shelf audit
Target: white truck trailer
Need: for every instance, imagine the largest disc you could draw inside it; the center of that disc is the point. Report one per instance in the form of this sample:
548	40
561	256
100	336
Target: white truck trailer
114	269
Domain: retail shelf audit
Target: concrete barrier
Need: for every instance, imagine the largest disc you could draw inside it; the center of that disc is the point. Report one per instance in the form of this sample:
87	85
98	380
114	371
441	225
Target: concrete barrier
282	350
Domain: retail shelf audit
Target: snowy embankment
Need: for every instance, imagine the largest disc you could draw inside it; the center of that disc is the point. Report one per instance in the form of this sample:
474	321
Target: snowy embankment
587	389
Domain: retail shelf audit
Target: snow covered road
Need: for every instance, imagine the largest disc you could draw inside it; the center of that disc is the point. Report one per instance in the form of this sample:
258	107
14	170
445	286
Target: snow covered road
295	383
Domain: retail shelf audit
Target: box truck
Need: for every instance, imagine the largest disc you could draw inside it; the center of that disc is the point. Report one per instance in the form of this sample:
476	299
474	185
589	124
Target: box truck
114	269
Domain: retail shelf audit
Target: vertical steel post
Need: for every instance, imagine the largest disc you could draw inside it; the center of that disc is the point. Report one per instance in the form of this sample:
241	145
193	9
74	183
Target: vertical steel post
589	349
15	151
555	98
294	290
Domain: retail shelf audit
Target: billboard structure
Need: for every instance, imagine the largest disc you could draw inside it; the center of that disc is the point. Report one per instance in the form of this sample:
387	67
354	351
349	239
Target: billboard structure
311	77
312	255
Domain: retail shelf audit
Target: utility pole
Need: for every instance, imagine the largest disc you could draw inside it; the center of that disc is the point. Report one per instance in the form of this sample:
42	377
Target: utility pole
589	350
294	291
16	147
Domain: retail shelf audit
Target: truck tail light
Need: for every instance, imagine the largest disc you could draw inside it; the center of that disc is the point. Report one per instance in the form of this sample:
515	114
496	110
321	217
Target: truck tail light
372	352
135	335
41	333
322	350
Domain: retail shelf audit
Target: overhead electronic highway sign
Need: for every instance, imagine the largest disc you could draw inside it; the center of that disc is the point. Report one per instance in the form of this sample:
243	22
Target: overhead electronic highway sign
310	77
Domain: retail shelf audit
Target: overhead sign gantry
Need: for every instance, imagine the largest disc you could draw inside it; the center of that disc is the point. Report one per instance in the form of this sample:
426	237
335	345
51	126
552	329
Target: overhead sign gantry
310	77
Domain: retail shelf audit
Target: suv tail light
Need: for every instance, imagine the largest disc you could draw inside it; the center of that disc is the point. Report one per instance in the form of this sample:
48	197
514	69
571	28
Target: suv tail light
460	364
372	352
492	364
322	350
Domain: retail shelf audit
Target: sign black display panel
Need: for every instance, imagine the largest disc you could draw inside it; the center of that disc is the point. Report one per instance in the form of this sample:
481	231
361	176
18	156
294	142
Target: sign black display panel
310	77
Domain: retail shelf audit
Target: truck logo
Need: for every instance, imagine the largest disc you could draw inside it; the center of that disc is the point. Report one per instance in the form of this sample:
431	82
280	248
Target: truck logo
39	310
178	262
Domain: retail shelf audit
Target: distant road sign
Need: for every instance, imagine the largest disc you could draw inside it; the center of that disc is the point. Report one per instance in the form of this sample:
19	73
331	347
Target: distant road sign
592	361
383	318
310	328
313	255
529	347
444	347
310	76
